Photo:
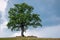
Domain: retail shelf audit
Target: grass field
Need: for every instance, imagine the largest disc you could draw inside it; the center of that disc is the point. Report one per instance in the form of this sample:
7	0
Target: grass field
29	38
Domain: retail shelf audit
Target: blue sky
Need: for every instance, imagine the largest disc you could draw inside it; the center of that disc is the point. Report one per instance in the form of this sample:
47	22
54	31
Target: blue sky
49	11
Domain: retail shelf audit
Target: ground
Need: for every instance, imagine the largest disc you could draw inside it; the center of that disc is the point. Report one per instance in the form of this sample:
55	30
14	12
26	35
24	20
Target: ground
29	38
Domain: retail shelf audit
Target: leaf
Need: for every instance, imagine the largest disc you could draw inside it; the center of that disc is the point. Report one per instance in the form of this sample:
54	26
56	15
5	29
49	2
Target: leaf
21	15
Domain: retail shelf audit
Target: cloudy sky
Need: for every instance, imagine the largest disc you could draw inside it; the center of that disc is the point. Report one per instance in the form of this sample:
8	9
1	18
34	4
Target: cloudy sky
49	11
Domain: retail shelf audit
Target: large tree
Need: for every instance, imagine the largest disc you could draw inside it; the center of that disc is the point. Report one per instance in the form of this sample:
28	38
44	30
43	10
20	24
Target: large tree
21	17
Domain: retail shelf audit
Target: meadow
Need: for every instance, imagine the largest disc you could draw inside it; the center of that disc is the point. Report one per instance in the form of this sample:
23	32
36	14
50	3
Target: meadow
28	38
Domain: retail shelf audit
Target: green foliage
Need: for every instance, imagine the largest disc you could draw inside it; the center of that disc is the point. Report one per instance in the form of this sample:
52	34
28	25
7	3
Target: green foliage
22	15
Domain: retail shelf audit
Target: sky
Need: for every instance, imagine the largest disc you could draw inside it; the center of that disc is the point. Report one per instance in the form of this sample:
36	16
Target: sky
49	11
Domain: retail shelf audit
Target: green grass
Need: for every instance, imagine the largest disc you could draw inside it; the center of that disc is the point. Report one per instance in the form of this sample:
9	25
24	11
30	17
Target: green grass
7	38
29	38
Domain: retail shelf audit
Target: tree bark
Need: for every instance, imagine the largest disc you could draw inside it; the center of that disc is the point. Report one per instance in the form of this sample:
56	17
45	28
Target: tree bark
22	31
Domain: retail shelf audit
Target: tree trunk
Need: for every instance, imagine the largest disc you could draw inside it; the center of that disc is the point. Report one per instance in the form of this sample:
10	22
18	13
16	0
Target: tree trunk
22	31
22	34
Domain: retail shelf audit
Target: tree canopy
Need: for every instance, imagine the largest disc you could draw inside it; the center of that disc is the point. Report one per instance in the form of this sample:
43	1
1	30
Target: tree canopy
21	17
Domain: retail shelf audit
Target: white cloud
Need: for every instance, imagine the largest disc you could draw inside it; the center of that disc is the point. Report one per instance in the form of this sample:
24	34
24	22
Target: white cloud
2	5
46	32
4	31
50	32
